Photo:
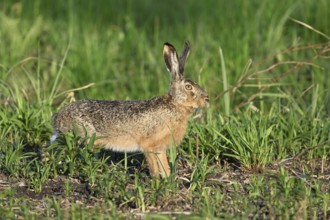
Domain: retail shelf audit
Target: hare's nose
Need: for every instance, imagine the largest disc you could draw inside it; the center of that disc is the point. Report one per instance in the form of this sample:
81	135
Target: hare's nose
206	98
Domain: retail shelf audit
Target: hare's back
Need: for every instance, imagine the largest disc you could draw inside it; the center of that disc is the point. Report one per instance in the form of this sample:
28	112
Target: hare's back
103	116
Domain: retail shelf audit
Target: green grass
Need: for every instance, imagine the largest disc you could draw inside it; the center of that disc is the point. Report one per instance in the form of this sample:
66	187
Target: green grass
261	150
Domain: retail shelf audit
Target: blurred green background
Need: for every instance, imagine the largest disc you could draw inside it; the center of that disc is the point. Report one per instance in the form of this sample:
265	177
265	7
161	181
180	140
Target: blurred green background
118	46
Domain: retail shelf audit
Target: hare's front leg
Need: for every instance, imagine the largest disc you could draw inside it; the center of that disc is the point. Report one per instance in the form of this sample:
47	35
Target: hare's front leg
151	158
158	163
163	167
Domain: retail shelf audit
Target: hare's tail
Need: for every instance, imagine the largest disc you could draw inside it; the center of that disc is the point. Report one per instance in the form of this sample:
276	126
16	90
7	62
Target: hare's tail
53	137
55	132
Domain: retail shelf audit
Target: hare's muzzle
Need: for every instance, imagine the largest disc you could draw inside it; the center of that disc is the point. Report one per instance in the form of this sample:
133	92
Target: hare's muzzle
206	99
204	96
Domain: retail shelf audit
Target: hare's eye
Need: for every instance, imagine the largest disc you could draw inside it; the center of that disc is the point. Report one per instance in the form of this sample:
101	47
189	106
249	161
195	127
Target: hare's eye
188	87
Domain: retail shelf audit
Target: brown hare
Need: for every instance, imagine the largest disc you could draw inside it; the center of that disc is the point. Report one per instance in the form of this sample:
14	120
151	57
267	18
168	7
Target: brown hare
150	126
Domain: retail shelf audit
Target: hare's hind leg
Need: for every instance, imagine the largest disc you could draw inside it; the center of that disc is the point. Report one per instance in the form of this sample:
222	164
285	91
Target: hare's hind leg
158	164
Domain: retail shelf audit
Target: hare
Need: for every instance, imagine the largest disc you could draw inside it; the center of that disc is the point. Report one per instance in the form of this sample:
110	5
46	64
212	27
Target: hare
150	126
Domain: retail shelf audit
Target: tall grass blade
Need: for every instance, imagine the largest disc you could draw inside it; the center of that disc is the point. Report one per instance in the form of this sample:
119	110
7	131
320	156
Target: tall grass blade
311	28
226	96
57	78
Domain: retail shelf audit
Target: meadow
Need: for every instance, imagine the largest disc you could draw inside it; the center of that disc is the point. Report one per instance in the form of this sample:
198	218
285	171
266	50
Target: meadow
261	150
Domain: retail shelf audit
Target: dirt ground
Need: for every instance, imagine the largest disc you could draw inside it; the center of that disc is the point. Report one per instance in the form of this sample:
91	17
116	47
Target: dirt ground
181	202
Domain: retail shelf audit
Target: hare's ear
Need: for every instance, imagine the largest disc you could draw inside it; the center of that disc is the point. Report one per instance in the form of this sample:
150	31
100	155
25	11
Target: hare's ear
184	56
172	61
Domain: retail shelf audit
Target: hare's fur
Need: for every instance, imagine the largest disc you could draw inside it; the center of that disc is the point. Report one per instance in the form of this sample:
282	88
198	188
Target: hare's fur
150	126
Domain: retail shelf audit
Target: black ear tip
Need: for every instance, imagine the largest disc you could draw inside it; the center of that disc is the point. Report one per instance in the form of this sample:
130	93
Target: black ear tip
168	44
187	43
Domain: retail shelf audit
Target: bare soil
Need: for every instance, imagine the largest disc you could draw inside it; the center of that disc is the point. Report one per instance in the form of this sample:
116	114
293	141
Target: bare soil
224	176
